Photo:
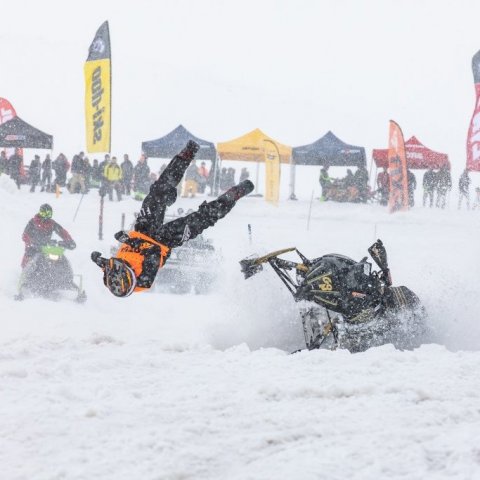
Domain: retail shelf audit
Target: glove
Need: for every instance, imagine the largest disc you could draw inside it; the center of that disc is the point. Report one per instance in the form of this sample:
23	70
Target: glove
190	150
98	259
68	244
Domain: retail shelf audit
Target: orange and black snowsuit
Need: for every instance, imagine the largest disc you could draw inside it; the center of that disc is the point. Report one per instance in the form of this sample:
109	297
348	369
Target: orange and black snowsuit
143	254
146	248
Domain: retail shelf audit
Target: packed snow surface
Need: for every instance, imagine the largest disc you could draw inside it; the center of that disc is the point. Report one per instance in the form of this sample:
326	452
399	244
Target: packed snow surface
160	386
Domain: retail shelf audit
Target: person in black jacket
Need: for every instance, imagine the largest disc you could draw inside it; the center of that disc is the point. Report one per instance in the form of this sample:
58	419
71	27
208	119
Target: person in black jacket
77	182
412	185
444	184
34	172
464	189
429	185
141	174
127	174
46	174
15	167
146	248
60	166
3	162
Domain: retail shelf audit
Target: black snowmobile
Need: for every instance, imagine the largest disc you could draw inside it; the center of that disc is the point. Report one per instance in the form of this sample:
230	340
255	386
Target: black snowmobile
347	305
48	273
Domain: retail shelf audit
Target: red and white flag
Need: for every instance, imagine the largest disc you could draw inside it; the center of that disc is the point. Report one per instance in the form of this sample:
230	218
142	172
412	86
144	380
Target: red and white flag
473	139
397	169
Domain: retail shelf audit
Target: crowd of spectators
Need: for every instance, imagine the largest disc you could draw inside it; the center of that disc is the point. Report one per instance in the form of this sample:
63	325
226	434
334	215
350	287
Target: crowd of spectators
108	176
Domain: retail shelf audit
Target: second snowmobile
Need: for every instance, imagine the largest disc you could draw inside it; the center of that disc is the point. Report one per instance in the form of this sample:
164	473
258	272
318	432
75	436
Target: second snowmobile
345	304
48	273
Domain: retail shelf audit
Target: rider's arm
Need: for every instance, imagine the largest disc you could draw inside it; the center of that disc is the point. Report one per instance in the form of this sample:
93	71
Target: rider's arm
64	235
27	236
151	264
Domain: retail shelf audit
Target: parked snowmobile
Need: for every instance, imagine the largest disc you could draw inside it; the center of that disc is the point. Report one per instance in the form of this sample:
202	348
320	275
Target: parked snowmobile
191	266
347	305
48	273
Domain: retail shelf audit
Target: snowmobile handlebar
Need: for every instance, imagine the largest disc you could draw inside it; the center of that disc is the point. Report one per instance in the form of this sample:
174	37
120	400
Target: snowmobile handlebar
251	266
67	244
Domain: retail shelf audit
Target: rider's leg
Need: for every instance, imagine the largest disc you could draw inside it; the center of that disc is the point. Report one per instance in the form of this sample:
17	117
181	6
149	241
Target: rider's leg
177	232
163	192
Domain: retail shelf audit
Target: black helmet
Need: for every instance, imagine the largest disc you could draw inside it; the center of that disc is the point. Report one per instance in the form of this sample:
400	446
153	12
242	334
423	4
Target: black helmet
45	211
119	277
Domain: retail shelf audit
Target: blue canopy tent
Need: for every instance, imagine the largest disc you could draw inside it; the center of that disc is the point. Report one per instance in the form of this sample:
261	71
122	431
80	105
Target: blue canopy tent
172	143
327	151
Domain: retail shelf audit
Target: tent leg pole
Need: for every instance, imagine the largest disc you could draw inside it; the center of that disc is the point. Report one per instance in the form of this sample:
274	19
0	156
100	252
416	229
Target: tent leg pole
257	177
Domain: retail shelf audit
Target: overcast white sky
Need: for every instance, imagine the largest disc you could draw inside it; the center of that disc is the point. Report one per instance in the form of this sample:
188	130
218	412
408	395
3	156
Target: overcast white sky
294	68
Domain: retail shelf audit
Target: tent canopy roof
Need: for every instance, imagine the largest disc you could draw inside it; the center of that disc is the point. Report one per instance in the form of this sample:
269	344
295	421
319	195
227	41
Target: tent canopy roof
251	147
418	156
172	143
329	150
18	133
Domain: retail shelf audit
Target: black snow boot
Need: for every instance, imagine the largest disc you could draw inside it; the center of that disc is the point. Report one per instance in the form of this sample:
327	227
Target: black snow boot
238	191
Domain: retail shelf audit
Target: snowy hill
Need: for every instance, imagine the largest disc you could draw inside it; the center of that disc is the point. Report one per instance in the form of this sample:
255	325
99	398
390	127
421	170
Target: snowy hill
158	386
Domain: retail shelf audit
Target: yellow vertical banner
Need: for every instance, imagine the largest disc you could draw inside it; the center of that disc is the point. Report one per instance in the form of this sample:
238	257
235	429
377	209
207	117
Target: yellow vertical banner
272	171
98	99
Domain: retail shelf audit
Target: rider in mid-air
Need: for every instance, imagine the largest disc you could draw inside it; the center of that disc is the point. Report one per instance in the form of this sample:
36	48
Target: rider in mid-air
146	248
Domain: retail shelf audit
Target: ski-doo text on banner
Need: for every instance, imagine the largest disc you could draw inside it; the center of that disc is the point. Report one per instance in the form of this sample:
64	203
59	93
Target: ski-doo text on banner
98	80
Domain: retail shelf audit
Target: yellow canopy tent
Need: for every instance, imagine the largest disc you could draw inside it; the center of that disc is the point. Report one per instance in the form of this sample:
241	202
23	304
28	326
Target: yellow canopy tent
258	147
251	148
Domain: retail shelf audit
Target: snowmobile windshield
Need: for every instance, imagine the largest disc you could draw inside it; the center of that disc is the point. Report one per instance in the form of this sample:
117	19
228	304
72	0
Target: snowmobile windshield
53	252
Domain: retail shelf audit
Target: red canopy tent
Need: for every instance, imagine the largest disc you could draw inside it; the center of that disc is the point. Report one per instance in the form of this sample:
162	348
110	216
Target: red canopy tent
418	156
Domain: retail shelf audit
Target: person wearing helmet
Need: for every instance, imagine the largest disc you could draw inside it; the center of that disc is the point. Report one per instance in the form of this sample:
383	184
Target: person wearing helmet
39	231
146	248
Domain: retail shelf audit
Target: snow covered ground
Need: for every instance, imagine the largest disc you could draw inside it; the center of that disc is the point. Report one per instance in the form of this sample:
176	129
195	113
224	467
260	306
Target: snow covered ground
202	387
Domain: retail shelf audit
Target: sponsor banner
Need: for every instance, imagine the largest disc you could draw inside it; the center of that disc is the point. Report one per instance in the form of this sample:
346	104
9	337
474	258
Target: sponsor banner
98	80
272	172
473	138
397	169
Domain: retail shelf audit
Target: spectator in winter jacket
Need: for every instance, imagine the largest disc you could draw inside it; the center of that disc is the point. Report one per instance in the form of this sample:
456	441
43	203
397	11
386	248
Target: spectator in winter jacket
88	173
192	179
15	167
113	179
383	183
46	174
127	174
230	178
464	189
361	182
429	185
244	175
203	177
3	162
77	182
60	166
97	174
444	184
141	176
412	185
34	172
38	233
325	183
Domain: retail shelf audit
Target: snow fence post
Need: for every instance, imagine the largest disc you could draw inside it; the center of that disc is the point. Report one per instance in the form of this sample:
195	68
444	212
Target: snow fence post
100	218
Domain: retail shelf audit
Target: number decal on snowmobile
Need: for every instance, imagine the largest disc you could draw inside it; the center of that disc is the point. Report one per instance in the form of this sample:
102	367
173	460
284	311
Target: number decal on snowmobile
326	285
